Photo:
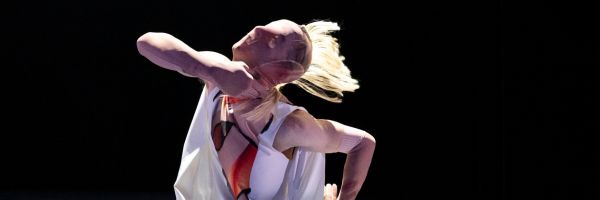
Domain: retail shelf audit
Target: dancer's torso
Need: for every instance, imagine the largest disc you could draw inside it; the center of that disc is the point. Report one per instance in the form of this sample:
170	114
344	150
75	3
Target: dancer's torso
241	153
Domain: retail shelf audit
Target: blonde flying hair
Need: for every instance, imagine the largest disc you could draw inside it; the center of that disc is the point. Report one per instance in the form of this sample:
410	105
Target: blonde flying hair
327	77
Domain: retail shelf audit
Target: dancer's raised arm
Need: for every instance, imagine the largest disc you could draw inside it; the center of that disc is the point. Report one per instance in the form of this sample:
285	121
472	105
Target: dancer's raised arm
233	78
301	129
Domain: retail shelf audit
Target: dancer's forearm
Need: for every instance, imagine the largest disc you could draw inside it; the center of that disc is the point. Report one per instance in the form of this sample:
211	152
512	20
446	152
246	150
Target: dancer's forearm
166	51
357	165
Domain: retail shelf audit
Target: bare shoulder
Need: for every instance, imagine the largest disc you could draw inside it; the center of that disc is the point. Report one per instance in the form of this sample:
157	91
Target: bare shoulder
291	128
300	129
297	121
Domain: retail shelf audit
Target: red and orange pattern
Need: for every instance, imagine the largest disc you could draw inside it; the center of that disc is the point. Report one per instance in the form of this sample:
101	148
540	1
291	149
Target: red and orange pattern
239	174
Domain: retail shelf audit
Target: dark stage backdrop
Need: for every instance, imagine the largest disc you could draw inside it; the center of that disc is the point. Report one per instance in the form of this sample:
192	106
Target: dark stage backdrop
482	99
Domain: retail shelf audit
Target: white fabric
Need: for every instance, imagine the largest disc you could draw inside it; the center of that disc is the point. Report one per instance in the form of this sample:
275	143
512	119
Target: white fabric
273	176
200	175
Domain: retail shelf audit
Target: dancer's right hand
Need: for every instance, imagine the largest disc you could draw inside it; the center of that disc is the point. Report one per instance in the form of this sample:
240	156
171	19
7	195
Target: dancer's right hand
257	88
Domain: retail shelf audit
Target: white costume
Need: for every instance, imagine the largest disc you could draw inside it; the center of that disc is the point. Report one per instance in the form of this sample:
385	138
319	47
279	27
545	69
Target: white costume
272	176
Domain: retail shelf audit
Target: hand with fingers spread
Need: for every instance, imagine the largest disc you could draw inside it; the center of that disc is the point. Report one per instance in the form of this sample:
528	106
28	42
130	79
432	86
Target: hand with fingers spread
330	192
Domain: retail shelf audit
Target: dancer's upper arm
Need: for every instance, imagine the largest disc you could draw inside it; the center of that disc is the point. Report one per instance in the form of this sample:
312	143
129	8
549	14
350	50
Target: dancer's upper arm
168	52
300	129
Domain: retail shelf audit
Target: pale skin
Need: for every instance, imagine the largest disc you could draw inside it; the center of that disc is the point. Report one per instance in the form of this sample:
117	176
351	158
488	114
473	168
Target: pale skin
299	129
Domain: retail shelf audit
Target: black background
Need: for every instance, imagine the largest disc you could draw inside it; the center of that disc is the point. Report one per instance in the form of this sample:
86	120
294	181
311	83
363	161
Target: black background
483	99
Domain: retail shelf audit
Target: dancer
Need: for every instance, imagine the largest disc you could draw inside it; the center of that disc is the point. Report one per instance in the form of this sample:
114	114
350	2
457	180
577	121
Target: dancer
247	141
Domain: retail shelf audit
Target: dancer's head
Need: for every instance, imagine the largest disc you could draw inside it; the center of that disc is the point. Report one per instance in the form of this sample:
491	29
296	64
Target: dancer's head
281	50
284	45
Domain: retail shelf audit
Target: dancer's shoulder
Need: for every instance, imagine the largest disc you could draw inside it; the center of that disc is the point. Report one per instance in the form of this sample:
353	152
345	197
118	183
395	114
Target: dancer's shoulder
301	129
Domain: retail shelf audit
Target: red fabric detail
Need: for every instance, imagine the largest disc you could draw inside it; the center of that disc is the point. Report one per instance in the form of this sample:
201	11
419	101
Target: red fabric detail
241	168
232	100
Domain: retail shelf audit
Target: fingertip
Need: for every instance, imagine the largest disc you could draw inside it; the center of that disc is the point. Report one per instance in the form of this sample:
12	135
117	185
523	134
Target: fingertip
335	190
